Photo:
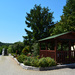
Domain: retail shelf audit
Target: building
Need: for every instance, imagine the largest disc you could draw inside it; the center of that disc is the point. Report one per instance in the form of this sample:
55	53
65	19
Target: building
59	47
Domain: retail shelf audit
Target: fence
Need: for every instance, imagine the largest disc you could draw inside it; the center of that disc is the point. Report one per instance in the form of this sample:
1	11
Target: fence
47	53
65	56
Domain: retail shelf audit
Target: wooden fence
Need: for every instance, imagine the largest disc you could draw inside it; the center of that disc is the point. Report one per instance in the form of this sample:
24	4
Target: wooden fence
61	56
65	56
47	53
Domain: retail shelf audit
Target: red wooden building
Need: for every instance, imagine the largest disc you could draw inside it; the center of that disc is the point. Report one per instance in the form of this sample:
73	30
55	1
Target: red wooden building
60	47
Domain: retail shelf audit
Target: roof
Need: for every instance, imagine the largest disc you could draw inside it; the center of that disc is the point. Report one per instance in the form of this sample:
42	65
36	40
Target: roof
54	36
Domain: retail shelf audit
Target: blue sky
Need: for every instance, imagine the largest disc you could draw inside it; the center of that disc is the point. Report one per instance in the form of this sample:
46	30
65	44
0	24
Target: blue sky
13	12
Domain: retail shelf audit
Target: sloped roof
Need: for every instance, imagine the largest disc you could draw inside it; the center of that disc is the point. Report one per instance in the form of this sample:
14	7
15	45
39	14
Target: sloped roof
54	36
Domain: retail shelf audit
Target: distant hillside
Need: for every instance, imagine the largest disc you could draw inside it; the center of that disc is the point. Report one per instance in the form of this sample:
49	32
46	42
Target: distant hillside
7	44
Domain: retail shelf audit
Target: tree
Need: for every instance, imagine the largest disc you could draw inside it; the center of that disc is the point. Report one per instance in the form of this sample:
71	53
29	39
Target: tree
17	47
69	14
10	49
28	39
26	42
1	50
67	22
7	44
39	20
3	46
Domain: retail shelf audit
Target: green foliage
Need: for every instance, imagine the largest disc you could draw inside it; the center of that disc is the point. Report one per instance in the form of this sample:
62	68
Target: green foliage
42	62
28	61
34	62
14	54
3	46
40	21
67	22
64	46
50	61
17	47
28	39
35	47
1	50
46	62
59	47
26	50
10	49
21	58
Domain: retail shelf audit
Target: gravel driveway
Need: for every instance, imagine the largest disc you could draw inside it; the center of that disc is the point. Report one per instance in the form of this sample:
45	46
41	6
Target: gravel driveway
8	66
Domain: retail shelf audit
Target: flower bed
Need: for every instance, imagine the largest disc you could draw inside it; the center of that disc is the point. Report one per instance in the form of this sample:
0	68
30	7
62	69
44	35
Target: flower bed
52	66
36	62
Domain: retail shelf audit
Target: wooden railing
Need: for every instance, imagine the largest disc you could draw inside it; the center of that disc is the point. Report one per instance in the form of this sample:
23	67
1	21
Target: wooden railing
47	53
65	56
61	56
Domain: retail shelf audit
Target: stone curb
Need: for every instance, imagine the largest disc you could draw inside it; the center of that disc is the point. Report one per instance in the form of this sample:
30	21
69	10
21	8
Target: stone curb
15	60
44	68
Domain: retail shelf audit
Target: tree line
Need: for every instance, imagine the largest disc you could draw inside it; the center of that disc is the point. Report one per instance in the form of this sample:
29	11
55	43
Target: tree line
4	45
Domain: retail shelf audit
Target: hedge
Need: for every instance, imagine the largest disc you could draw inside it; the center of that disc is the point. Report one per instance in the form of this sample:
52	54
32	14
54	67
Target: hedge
36	62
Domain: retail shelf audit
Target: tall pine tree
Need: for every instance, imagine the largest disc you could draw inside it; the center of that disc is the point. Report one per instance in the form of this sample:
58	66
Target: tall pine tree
40	21
67	22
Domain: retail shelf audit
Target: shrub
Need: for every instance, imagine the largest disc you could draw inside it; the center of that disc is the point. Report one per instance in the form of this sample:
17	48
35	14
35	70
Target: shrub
35	47
46	62
50	61
21	58
13	54
28	61
34	62
43	62
26	50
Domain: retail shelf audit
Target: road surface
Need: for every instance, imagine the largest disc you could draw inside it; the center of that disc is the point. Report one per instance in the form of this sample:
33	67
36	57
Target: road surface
8	66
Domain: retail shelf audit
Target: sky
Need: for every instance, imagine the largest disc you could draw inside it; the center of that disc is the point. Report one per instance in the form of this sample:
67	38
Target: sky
13	13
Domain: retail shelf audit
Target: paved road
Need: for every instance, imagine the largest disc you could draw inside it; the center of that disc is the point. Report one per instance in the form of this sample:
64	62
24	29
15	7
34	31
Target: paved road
8	66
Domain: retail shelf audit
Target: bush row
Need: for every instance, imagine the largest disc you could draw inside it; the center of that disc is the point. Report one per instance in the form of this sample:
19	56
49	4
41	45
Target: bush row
36	62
